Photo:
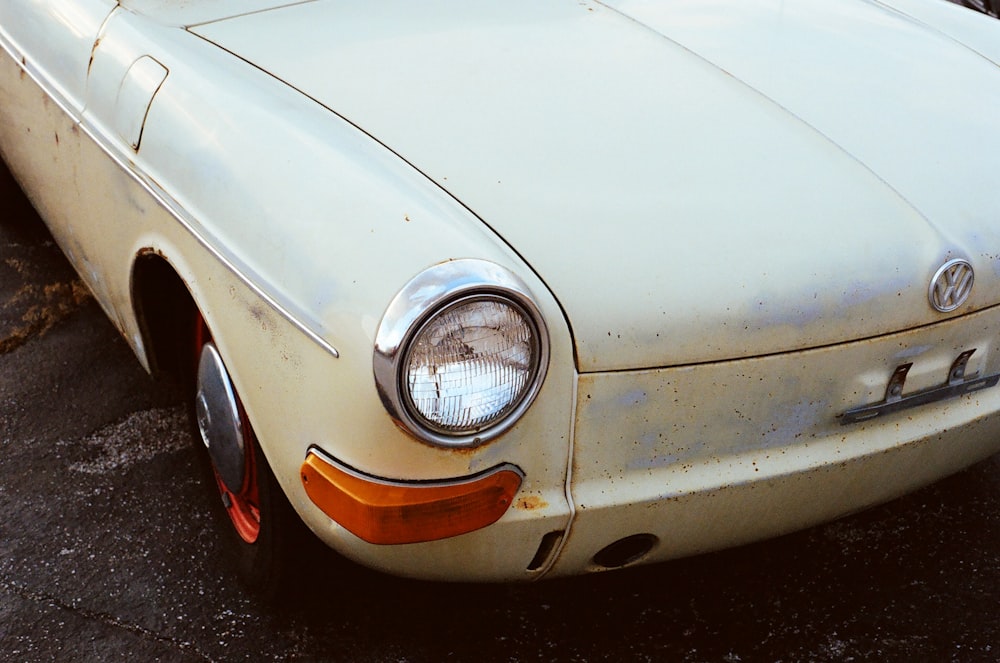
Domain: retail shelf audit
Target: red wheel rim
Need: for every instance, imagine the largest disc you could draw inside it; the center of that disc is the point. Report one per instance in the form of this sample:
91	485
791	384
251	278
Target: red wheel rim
243	506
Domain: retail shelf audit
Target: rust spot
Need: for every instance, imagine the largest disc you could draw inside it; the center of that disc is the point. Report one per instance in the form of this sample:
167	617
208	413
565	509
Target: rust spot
148	250
531	502
93	51
455	451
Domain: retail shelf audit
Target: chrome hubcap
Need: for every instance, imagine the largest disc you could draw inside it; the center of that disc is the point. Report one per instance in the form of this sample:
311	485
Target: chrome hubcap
219	421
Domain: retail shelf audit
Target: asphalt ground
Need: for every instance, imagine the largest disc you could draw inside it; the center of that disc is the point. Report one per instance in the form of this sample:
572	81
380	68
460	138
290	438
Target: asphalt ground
108	551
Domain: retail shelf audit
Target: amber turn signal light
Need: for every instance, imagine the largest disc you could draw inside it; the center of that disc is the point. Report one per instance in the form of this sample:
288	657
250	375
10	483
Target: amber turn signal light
388	512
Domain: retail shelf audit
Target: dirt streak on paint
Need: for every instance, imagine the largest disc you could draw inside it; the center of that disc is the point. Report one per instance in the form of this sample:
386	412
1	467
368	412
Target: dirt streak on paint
51	304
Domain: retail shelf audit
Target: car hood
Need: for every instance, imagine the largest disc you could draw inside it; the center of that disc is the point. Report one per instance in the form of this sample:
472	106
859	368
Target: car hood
694	181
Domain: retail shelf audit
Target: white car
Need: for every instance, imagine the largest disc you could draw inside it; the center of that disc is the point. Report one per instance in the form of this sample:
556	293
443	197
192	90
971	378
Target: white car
512	290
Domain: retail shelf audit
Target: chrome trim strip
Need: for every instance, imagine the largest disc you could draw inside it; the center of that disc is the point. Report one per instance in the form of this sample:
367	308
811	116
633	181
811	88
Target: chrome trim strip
329	459
241	271
231	263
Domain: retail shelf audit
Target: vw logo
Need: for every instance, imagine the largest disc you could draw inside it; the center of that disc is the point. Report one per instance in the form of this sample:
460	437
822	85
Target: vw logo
951	285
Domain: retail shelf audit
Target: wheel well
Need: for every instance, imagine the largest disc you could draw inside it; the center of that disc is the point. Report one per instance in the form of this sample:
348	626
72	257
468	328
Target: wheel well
166	313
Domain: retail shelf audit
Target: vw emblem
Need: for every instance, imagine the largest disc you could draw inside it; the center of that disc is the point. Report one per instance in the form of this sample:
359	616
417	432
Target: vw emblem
951	285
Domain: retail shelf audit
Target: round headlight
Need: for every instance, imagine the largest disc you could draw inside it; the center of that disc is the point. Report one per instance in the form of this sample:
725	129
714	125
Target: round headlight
470	365
460	353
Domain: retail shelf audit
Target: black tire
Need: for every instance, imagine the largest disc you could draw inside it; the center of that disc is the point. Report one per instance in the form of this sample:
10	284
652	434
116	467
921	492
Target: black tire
265	565
262	533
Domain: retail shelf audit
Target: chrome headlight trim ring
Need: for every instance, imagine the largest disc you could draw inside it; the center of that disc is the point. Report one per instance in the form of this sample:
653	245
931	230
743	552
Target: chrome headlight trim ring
441	287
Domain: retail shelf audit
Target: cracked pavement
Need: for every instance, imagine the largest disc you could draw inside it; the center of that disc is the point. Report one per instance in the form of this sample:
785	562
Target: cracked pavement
108	550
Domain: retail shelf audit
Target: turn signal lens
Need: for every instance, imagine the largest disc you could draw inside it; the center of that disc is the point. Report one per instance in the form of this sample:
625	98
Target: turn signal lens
386	512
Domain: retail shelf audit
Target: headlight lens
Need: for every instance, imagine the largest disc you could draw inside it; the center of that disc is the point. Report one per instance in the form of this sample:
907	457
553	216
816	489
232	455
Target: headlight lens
470	365
460	353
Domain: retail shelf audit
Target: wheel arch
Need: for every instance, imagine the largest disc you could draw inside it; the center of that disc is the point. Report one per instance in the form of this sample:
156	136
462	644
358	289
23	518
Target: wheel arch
165	311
